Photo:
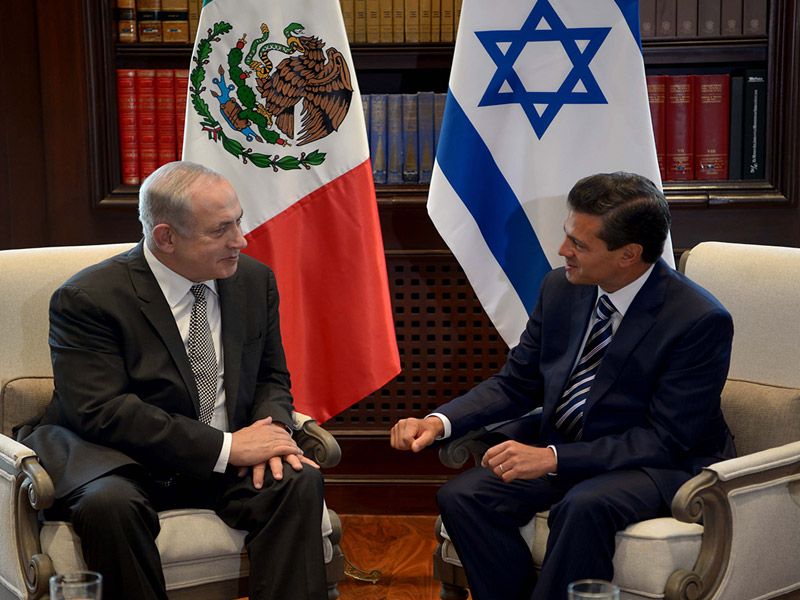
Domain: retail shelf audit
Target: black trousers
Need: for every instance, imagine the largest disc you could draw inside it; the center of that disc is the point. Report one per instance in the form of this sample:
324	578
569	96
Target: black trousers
483	515
116	517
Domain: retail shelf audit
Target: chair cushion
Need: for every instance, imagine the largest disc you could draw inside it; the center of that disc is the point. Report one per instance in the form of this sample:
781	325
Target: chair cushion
196	548
761	416
646	554
22	399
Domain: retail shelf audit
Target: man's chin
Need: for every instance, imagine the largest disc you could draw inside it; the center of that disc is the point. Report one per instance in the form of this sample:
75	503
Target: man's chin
228	267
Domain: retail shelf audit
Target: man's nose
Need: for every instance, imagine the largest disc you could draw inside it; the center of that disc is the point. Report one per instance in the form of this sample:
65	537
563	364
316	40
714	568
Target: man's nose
239	242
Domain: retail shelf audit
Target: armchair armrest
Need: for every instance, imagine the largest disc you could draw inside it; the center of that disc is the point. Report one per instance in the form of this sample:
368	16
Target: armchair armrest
455	453
524	429
317	443
28	488
750	510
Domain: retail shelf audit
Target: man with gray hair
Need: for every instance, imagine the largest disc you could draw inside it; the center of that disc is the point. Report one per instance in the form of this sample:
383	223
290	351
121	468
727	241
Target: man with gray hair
171	391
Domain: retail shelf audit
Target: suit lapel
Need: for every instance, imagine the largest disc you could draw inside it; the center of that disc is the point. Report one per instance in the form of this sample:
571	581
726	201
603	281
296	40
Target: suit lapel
580	311
232	307
640	317
158	313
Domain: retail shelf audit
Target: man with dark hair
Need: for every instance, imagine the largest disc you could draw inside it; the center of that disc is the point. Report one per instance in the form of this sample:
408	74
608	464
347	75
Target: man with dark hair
171	391
627	359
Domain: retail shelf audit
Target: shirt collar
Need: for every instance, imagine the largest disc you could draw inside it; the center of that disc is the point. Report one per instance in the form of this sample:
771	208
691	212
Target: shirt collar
623	297
173	286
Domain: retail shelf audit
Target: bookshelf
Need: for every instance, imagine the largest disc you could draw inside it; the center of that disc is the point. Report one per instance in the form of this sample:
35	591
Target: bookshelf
411	67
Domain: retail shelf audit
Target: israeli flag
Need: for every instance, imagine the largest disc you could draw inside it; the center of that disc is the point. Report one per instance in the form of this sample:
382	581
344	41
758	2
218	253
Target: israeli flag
542	93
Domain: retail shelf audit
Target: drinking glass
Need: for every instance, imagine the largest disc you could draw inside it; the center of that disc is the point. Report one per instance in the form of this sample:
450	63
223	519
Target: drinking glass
592	589
83	585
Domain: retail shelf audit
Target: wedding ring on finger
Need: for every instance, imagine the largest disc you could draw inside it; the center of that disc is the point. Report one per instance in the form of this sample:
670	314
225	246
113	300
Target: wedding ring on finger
502	470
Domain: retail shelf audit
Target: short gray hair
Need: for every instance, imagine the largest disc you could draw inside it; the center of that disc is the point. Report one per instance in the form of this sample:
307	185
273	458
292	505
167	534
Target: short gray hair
165	196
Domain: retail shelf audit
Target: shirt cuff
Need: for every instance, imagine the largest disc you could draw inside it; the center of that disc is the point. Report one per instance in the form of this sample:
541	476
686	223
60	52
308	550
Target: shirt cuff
446	422
553	448
225	453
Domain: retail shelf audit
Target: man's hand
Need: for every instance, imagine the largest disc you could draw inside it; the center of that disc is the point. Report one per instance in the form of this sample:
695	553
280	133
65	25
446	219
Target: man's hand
512	460
259	442
276	467
416	434
262	443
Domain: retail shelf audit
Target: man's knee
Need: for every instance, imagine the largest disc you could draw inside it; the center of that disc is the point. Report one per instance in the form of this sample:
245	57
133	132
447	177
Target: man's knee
578	502
457	492
615	500
113	500
308	477
307	483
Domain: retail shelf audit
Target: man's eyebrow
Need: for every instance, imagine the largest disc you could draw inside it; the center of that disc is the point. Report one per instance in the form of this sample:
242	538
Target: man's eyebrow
228	222
572	237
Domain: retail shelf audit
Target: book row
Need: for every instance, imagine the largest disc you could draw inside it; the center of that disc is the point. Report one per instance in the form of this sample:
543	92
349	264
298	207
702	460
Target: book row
157	21
710	126
403	134
429	21
702	18
366	21
398	21
403	129
706	127
151	114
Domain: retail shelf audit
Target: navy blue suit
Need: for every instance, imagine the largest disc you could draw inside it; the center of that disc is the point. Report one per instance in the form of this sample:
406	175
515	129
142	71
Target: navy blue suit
651	421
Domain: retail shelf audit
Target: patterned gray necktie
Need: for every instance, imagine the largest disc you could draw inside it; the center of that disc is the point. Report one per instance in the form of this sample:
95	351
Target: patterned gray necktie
569	414
201	354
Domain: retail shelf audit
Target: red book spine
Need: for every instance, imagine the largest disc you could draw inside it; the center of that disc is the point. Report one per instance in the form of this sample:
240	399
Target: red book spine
165	115
712	121
181	93
148	126
128	133
656	93
680	127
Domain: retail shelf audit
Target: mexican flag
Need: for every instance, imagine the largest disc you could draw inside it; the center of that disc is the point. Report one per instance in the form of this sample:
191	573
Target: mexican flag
274	106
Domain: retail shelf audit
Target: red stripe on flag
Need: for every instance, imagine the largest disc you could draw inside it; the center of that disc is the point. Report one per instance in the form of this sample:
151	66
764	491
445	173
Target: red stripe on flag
336	317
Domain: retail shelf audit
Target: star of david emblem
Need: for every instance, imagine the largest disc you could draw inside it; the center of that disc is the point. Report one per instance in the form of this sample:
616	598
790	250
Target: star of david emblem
543	25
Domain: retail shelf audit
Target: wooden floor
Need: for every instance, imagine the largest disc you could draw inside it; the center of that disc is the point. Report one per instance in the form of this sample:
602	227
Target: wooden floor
400	546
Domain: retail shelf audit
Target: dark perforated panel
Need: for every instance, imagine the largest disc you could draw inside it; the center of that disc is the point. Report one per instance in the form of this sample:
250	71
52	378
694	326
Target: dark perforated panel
447	343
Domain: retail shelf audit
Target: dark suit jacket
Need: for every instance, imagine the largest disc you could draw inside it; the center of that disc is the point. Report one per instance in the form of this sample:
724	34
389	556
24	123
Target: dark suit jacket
124	390
655	401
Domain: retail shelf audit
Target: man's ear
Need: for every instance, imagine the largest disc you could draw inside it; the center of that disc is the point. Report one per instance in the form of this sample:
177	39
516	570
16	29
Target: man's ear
631	253
164	238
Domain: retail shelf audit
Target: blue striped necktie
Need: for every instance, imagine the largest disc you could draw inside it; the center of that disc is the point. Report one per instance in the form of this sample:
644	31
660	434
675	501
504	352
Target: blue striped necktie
569	414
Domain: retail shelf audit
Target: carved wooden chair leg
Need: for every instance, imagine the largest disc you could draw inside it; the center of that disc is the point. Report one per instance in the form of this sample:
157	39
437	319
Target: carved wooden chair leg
452	592
333	590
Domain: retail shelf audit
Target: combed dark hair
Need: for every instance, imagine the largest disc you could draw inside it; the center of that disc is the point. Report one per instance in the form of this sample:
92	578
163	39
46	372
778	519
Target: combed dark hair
633	209
165	196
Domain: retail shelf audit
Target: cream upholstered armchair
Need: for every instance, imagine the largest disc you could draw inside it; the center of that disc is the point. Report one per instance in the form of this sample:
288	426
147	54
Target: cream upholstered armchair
201	556
735	534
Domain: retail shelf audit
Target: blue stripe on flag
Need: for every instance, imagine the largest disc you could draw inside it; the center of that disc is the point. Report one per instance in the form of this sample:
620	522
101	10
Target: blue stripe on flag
630	10
471	170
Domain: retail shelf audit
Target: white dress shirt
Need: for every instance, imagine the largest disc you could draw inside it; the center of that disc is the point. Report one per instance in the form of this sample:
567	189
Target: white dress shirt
176	289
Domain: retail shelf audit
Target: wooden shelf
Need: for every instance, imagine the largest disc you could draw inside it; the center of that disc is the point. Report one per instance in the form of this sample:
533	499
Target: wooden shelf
680	194
716	51
394	57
